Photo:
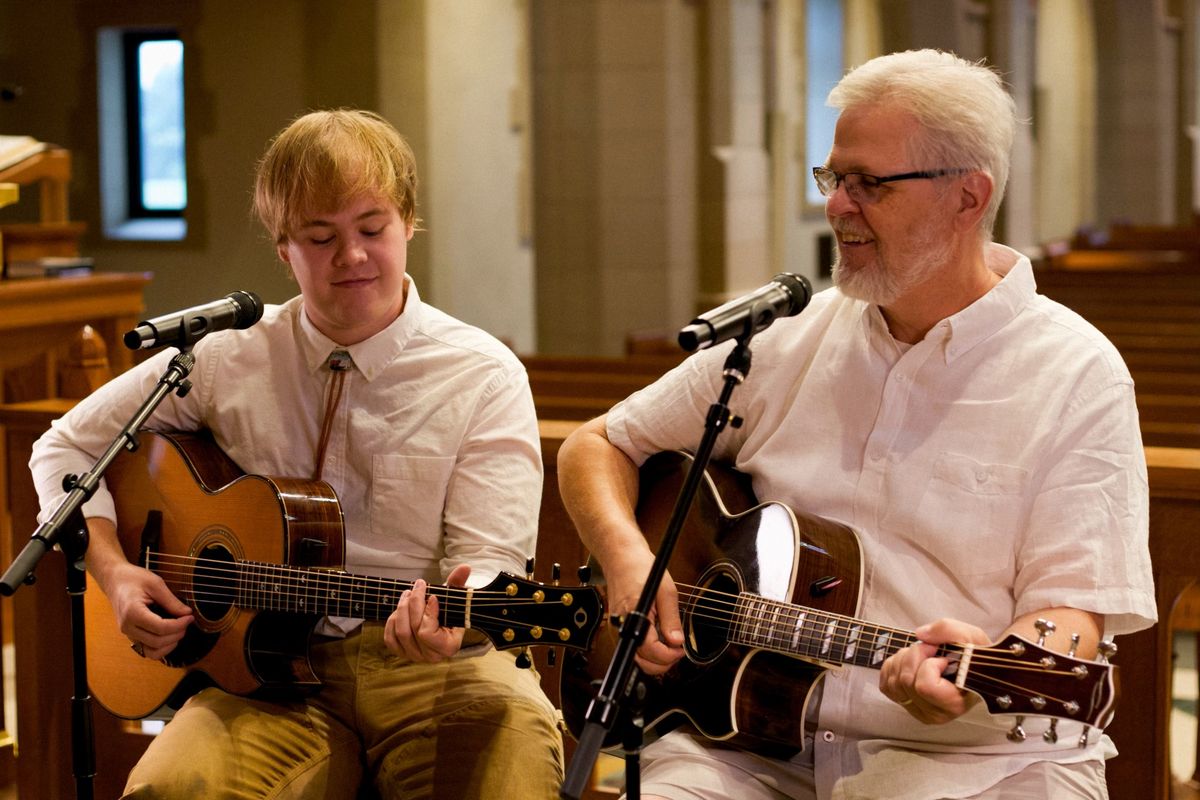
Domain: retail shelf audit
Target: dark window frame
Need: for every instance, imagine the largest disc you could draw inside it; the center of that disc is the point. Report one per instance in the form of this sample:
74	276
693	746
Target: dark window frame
131	40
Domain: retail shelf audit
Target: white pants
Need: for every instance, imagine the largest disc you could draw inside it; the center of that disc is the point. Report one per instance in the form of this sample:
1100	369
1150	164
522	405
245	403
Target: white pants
681	766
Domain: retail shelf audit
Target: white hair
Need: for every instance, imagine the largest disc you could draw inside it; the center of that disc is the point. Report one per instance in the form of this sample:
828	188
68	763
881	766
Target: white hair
968	119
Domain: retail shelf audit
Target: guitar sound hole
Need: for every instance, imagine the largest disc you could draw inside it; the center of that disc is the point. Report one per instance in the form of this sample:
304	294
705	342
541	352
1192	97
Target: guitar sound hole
214	582
709	614
195	645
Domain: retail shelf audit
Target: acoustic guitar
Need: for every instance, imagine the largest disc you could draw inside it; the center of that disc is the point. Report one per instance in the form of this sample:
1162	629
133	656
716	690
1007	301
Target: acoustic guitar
766	599
259	560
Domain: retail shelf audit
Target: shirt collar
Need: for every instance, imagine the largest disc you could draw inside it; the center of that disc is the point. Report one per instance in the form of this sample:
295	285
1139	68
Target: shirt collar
371	355
995	309
962	331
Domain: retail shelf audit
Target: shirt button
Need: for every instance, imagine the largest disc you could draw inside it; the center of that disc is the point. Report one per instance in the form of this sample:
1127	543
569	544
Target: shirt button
828	736
900	377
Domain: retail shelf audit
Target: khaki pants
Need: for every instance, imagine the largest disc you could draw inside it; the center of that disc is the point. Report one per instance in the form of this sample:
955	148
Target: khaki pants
465	728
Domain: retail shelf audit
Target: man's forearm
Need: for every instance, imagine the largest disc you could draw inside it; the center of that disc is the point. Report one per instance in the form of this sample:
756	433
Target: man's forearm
599	486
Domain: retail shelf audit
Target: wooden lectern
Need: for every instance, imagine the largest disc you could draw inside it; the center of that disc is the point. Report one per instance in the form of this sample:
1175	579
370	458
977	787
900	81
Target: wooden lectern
53	234
45	325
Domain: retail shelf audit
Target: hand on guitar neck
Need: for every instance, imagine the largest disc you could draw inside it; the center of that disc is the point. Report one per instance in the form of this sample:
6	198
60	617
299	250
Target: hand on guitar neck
915	677
414	629
153	618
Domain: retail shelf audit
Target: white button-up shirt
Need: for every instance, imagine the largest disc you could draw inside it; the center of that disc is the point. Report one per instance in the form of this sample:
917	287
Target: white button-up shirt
434	452
992	469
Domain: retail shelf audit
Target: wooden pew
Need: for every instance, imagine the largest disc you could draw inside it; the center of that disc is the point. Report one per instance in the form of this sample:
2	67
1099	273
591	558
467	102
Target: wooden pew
583	387
1138	237
1141	729
1148	304
1156	382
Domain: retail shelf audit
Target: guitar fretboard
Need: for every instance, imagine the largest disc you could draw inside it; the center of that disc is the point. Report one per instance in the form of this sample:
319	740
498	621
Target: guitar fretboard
274	587
813	634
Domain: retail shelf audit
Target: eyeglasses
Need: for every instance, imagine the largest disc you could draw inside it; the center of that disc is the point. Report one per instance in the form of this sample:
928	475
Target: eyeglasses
867	188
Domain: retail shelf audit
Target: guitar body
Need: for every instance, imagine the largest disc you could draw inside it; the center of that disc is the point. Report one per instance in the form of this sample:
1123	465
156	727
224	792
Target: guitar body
179	494
745	695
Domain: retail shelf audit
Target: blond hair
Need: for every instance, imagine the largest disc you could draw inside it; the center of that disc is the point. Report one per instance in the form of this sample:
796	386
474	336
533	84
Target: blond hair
324	159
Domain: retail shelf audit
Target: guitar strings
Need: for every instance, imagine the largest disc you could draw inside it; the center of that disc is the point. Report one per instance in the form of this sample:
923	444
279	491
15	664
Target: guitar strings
227	582
724	615
718	611
222	581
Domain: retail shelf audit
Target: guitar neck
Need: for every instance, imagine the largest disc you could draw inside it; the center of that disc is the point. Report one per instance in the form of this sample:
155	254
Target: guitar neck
274	587
816	635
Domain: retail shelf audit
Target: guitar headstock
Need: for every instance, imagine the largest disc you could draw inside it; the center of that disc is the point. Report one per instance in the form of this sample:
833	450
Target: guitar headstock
1016	676
518	612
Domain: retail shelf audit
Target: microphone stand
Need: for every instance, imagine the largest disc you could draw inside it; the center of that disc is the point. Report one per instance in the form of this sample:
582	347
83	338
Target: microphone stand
622	686
67	528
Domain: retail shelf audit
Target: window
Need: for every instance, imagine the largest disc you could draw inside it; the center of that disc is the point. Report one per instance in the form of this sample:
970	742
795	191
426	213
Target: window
157	182
823	54
142	156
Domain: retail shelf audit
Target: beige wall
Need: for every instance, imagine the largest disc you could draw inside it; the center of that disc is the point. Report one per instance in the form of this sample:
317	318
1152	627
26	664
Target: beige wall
1065	117
478	229
615	131
661	136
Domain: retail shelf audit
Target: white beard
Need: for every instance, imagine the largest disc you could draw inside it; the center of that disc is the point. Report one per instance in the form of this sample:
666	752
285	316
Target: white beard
884	281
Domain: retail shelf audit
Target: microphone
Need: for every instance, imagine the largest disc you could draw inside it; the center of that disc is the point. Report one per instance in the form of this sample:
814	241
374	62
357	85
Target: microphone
237	310
785	296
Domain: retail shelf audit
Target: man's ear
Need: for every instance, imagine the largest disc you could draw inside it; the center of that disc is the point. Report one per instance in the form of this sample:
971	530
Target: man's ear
976	193
282	251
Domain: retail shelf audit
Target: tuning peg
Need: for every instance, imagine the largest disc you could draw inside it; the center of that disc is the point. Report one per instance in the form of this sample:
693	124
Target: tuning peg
555	573
1045	628
551	657
1017	734
1108	649
523	659
1074	645
529	562
585	574
1051	734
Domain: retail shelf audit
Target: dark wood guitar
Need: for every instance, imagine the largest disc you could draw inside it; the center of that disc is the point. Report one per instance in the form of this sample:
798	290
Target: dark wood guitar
767	597
259	560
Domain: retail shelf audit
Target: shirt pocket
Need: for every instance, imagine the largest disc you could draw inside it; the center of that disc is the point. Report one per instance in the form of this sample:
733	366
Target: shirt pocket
971	511
408	498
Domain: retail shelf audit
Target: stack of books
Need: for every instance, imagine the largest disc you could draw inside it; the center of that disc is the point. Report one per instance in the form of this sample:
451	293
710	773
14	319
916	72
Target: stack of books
50	267
15	149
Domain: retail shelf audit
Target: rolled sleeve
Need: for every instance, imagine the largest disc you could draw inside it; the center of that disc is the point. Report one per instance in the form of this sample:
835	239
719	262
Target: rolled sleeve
1087	540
